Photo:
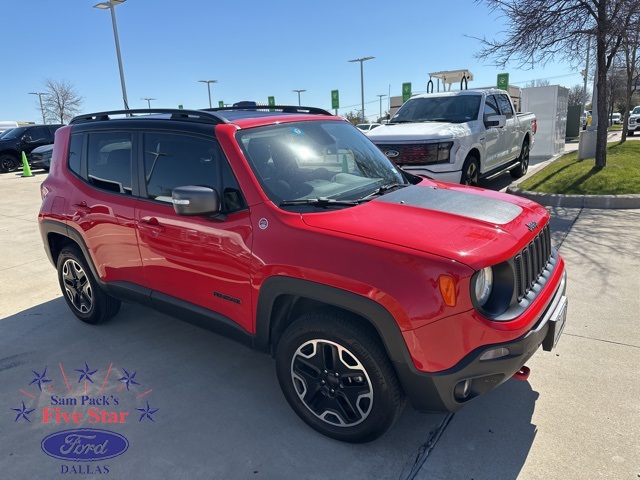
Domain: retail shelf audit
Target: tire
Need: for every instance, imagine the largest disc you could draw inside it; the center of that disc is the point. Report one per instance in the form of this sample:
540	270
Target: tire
470	171
523	166
337	377
82	293
8	163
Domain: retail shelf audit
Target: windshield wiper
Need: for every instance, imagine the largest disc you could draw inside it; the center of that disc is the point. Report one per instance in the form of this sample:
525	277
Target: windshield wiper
320	202
382	189
401	121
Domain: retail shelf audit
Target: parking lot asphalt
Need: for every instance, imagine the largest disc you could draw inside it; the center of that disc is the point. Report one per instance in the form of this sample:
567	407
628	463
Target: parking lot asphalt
203	406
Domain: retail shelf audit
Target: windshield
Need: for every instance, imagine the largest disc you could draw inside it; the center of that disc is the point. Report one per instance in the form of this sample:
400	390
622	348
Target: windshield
14	132
6	132
636	111
450	109
319	159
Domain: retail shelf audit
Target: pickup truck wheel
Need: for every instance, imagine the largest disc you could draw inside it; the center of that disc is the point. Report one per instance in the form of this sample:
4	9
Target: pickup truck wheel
8	163
523	166
80	290
337	377
470	171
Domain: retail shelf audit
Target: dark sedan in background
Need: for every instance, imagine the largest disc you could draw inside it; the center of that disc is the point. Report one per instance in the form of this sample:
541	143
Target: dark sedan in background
41	157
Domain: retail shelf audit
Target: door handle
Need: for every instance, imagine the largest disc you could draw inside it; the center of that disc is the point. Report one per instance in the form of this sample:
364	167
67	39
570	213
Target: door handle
151	226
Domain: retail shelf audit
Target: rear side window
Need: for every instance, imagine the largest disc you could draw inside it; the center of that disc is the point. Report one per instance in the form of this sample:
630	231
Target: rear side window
109	161
176	160
505	105
75	153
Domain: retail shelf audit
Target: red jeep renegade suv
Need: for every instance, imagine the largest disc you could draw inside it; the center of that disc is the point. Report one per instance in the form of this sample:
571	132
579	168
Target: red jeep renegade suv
288	230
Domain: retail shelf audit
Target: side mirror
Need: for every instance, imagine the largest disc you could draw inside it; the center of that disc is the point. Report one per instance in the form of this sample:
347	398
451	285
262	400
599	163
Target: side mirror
26	138
192	200
495	121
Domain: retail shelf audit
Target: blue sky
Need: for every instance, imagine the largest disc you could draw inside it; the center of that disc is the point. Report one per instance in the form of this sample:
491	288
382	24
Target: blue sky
253	48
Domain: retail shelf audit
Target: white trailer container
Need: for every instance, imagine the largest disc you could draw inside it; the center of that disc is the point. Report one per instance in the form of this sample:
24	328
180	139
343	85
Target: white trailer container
550	105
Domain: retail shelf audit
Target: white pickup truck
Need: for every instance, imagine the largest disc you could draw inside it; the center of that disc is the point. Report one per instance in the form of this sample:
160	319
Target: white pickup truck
458	137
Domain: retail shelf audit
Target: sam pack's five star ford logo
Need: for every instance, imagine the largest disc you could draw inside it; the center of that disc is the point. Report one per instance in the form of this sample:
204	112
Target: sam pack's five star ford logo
100	397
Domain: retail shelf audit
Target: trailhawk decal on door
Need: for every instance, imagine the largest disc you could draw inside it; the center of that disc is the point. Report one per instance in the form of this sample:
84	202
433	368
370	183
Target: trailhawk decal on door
85	398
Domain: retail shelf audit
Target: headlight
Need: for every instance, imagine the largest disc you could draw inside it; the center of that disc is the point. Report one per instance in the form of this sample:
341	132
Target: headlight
484	285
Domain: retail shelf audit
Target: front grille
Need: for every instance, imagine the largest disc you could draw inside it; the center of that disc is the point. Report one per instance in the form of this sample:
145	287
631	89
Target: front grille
415	154
531	262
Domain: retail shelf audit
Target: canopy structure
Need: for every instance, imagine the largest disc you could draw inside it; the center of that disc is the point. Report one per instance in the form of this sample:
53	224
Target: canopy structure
449	77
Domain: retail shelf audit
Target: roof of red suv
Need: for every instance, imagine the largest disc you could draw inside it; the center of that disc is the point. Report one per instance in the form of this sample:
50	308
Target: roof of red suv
242	116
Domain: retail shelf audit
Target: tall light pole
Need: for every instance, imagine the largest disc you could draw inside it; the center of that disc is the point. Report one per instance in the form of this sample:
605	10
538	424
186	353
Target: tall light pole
148	100
299	92
44	122
209	82
362	60
111	6
380	97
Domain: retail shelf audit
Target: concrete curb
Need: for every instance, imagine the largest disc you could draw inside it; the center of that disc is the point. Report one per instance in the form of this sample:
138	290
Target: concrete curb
579	201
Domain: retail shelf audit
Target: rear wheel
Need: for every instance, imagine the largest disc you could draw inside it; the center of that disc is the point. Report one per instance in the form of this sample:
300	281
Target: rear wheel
470	171
337	377
8	163
523	166
83	295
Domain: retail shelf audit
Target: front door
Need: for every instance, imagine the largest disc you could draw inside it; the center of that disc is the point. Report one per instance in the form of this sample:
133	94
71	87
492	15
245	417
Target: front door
197	259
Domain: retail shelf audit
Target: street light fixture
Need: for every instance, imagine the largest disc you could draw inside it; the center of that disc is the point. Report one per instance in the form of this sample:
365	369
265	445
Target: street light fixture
380	97
299	91
44	122
209	82
148	100
362	60
110	4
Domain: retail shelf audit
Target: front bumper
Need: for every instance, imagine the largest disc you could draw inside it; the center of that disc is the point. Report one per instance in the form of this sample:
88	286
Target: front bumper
441	391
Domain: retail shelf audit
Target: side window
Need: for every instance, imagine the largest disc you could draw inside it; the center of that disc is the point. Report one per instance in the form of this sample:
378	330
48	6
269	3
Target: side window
505	106
52	130
75	153
176	160
490	107
109	161
37	133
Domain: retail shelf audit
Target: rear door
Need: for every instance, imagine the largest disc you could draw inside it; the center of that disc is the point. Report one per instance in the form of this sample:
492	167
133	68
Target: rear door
200	260
101	204
511	130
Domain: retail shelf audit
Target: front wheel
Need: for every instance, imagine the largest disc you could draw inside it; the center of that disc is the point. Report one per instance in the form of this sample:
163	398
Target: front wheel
523	166
470	171
8	163
337	377
84	296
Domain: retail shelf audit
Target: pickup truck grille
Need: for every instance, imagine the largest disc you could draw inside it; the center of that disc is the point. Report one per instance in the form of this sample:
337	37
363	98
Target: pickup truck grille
416	154
531	262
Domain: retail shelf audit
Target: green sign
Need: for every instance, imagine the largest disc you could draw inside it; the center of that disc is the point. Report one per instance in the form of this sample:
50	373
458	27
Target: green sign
406	91
221	104
335	99
503	81
180	107
272	101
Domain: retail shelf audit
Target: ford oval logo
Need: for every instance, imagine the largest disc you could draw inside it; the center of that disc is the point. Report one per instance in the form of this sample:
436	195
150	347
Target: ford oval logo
392	153
84	445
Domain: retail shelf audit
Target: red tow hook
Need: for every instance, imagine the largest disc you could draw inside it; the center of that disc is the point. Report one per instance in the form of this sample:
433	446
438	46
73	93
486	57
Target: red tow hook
523	373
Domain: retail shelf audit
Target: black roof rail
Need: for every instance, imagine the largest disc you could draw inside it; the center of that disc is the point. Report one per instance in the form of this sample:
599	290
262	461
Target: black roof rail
176	114
282	108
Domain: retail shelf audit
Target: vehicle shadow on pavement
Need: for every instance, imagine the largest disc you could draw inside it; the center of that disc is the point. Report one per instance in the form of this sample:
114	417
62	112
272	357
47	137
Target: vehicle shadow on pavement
490	438
220	412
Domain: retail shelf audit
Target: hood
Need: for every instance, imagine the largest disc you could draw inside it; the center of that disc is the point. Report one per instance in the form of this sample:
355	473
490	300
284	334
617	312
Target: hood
419	131
473	226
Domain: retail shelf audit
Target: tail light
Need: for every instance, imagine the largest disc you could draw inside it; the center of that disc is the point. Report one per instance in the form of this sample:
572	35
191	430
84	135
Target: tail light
535	125
44	191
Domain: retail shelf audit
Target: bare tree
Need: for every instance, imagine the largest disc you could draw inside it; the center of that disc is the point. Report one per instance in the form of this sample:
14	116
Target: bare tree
538	83
543	30
61	102
577	95
354	117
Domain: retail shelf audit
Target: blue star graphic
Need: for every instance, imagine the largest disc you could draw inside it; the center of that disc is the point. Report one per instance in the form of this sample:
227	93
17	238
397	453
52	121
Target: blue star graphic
40	379
23	412
128	378
147	412
86	374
